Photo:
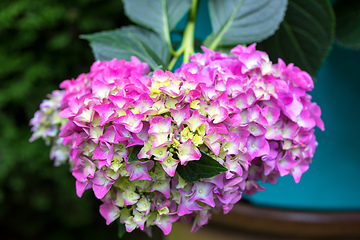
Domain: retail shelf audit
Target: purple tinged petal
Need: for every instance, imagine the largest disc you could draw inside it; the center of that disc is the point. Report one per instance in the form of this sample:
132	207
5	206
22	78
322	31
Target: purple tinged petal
180	114
143	205
233	120
95	133
81	186
316	113
195	120
162	139
241	101
164	222
130	197
274	132
239	49
231	143
135	140
101	89
84	169
173	90
104	152
252	187
257	146
289	130
109	212
107	112
218	128
130	225
123	132
254	115
191	96
139	170
110	135
101	184
159	153
160	125
297	171
187	151
269	164
216	113
217	180
285	163
143	104
212	141
271	114
203	192
84	116
169	165
252	61
201	219
233	167
185	206
234	87
120	101
291	105
256	129
131	121
67	113
161	186
143	134
198	79
73	109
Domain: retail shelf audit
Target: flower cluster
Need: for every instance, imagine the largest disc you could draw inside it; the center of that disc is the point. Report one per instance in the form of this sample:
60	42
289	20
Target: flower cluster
173	146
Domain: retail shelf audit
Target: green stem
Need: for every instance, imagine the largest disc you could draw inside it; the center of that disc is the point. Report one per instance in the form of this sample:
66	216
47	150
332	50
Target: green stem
166	27
172	62
187	43
188	40
175	58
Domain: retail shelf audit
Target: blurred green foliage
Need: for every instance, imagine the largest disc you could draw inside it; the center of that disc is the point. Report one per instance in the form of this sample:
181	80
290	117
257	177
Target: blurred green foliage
39	48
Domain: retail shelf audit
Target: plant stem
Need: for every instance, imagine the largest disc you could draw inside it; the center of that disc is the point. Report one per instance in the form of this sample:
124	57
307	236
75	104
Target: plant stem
188	40
166	27
172	62
187	43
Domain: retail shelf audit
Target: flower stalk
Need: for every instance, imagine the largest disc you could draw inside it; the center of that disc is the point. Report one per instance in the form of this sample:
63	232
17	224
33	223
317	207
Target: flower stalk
187	45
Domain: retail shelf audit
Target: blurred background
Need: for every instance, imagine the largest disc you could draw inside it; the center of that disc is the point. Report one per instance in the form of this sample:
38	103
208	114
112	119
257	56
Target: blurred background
40	47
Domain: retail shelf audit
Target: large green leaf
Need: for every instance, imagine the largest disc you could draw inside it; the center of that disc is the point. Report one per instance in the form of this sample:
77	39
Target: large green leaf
130	41
348	23
305	36
160	16
243	21
205	167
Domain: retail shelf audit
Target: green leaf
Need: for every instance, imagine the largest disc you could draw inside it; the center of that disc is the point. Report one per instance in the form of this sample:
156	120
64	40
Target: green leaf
205	167
161	16
348	23
243	21
133	156
121	229
129	41
304	37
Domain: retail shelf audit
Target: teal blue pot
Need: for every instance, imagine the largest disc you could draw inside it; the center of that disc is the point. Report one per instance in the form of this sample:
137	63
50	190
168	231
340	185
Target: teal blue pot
333	179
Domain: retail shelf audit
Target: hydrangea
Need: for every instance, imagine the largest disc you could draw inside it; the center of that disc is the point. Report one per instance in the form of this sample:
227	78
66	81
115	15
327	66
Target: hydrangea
145	143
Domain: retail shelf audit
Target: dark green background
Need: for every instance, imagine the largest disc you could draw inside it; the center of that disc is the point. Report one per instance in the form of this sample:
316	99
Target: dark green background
39	48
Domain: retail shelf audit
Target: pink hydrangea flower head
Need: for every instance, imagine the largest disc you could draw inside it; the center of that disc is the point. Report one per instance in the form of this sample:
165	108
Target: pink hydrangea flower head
144	144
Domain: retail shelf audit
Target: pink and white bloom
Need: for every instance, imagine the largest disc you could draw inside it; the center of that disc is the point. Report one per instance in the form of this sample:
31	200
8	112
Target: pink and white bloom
249	115
131	121
188	152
